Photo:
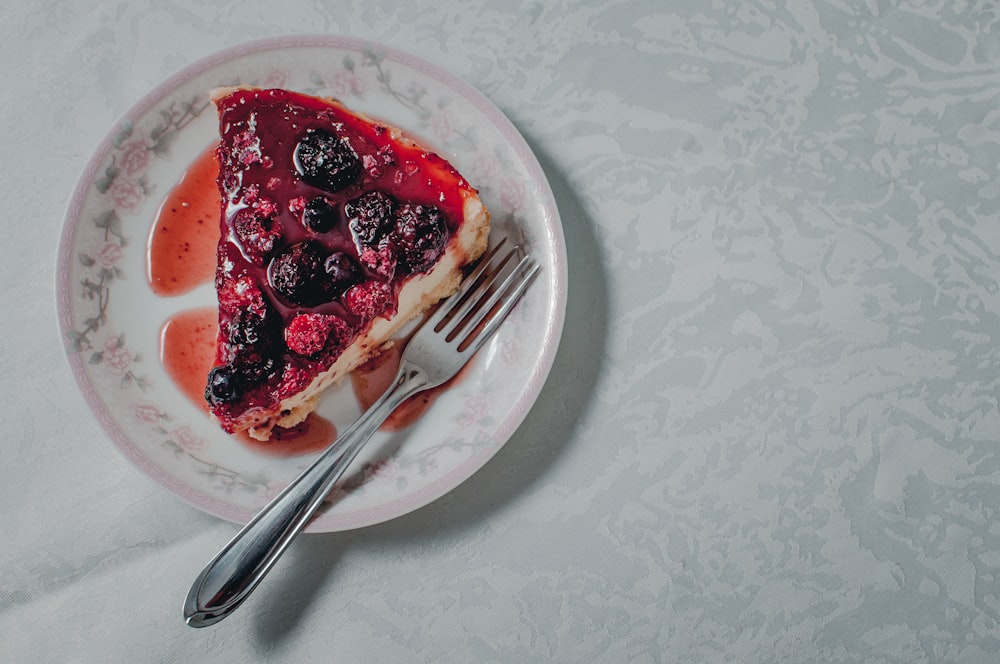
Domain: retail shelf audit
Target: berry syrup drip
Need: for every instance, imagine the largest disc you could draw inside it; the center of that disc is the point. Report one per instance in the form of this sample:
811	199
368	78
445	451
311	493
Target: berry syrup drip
187	350
180	252
324	216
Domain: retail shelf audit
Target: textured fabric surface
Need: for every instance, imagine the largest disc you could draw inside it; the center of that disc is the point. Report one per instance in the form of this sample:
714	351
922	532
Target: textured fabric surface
771	430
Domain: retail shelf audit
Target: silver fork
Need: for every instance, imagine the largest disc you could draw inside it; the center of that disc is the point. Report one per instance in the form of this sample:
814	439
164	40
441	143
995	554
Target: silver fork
436	352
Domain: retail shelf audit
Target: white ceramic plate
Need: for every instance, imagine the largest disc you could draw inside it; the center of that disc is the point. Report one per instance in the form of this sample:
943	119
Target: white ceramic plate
110	319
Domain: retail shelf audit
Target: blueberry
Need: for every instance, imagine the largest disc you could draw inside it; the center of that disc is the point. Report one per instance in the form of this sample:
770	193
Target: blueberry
319	216
420	235
326	161
225	385
299	275
370	217
340	269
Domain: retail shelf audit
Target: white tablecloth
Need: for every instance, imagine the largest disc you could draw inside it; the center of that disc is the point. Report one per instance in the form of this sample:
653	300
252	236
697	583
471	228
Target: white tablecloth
771	430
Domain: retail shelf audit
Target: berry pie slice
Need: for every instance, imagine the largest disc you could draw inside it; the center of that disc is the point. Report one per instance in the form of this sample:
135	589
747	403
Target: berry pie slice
336	230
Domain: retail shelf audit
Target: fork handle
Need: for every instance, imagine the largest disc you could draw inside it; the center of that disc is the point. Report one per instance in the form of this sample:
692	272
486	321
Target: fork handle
234	573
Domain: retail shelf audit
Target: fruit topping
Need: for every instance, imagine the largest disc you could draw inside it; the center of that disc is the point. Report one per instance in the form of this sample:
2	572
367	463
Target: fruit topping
381	261
294	379
308	334
368	300
319	215
371	218
299	274
326	161
340	270
224	385
251	341
248	355
248	330
241	293
420	235
246	148
256	233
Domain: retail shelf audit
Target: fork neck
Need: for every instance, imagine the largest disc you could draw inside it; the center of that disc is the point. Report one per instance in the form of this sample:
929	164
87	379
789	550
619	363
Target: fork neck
409	380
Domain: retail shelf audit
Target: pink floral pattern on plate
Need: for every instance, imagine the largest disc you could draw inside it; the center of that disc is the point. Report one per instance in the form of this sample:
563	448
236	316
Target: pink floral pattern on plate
111	320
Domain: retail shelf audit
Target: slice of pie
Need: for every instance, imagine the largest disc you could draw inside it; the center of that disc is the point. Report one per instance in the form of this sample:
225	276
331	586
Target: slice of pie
336	230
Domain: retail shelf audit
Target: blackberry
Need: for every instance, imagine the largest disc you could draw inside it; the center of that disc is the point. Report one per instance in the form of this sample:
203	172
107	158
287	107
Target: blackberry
251	341
248	330
299	275
326	161
255	367
420	235
370	217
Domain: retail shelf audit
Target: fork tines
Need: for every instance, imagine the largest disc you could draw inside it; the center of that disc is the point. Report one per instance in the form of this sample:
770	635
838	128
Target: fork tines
486	296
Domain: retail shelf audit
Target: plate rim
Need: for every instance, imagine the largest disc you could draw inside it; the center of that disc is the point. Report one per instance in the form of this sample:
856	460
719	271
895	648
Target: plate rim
518	409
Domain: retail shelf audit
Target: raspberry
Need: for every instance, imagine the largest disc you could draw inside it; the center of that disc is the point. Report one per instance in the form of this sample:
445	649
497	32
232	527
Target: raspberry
308	334
298	274
381	261
294	379
370	217
421	235
244	150
250	194
326	161
265	207
242	293
257	234
368	300
372	166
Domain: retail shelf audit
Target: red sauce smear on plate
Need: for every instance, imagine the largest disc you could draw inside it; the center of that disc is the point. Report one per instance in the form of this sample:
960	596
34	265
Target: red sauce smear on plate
187	350
182	245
